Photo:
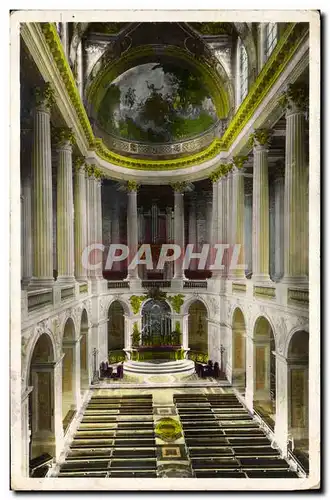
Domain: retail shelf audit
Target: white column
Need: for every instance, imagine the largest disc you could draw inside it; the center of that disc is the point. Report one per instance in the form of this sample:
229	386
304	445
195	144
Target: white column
132	227
80	218
214	228
229	208
279	222
98	223
192	229
76	375
260	265
250	373
222	221
281	420
65	236
115	233
248	223
238	219
80	74
169	237
179	228
89	211
58	417
26	224
42	204
295	195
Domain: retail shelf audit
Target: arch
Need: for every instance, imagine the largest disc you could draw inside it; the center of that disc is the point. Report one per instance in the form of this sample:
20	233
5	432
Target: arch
125	304
69	373
68	322
41	399
238	349
271	323
298	391
38	333
265	369
198	327
191	300
292	333
116	326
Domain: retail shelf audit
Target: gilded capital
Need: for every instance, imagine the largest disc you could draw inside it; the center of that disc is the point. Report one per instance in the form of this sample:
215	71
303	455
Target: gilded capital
238	161
179	187
260	137
79	164
132	186
295	98
45	96
62	136
220	171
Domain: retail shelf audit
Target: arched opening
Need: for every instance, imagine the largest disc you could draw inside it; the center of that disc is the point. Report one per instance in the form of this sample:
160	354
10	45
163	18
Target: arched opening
68	374
238	350
298	406
116	332
41	399
265	371
84	361
156	324
198	329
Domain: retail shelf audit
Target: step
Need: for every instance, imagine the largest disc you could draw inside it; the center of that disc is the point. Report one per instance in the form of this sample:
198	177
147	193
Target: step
220	473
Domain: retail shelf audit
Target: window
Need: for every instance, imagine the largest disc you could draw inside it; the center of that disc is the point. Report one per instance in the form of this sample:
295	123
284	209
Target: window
243	72
271	38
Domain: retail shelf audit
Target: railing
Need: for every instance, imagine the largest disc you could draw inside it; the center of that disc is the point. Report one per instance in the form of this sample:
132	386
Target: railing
239	288
167	150
298	297
156	283
67	293
83	288
38	299
195	284
265	292
118	284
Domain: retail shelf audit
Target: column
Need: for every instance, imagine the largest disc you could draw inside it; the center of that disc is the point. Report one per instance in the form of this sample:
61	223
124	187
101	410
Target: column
192	229
179	189
89	212
168	274
80	217
58	416
76	375
238	217
295	188
80	73
98	221
229	210
248	222
63	139
214	227
279	220
281	420
250	373
42	205
115	233
26	225
132	227
260	264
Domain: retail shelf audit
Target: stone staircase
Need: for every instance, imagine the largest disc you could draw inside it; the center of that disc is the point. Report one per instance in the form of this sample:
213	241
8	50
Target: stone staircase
223	440
115	439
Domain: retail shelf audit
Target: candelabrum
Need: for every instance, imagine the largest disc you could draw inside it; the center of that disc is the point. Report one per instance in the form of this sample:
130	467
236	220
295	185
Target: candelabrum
95	369
222	351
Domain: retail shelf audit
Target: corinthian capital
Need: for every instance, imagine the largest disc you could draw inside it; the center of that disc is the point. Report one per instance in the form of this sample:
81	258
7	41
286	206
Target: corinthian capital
62	136
295	98
260	137
179	187
44	96
239	161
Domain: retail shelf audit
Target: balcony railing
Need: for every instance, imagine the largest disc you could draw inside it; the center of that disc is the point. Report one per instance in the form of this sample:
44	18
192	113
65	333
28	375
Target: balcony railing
156	283
195	284
118	284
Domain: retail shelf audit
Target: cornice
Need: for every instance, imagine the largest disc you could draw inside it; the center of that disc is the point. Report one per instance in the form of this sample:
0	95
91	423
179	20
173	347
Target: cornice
45	47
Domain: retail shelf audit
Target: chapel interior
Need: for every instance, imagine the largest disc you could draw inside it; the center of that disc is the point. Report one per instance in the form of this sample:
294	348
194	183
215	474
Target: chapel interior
157	134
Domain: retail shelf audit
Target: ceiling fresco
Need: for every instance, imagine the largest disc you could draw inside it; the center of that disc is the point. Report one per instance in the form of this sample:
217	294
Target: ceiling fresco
157	102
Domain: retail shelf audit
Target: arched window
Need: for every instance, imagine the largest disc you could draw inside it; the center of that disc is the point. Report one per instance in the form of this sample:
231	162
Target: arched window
243	72
271	38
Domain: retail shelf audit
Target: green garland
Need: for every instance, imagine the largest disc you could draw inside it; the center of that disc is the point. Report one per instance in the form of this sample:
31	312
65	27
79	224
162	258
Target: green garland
260	137
136	301
168	429
297	95
220	171
239	161
177	301
45	95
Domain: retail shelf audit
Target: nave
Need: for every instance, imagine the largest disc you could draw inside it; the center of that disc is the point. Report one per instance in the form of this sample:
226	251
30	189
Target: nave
201	433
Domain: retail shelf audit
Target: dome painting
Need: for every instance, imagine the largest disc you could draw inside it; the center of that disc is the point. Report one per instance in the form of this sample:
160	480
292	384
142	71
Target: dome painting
157	103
